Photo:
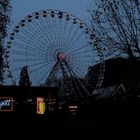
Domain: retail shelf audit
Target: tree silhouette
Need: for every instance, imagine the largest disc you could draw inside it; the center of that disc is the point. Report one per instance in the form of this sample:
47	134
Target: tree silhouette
117	24
5	9
24	77
1	65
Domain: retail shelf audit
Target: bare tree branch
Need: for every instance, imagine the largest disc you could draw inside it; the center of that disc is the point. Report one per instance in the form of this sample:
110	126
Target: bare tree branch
117	24
5	9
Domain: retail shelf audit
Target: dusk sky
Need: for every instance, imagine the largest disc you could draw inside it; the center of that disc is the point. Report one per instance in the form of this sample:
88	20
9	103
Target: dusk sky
22	8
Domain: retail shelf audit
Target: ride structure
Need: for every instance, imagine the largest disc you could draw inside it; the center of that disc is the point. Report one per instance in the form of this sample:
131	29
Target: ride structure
57	49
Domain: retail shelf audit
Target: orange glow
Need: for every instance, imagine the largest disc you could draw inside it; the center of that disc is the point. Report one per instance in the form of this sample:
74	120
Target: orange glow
73	107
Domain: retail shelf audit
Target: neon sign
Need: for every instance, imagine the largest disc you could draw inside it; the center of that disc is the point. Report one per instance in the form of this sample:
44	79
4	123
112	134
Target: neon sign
6	104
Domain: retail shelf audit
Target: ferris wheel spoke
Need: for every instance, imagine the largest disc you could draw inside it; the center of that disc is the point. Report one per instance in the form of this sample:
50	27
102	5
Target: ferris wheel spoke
28	34
29	66
21	53
48	32
34	38
44	43
40	63
39	67
76	68
58	32
70	38
51	35
81	68
88	62
64	32
67	35
32	71
23	47
84	53
29	43
73	43
75	65
56	29
43	36
25	60
25	37
41	80
84	61
80	48
61	31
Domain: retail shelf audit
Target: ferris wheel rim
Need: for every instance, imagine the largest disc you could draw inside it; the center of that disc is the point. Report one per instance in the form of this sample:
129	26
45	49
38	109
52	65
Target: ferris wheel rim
51	12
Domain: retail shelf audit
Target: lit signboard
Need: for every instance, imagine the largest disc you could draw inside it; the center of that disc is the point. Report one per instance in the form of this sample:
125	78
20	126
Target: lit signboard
6	104
41	105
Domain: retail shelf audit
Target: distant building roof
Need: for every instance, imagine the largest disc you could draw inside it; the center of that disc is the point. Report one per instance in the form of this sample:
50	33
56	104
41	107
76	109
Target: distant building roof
110	91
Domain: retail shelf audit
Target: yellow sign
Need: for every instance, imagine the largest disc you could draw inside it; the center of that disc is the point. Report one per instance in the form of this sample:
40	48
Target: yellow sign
41	105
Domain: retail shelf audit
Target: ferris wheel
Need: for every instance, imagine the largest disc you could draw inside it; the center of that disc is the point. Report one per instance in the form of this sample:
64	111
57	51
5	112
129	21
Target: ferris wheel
57	49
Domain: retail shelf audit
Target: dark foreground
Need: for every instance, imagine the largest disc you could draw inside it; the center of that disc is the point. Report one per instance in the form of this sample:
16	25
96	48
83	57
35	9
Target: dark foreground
98	119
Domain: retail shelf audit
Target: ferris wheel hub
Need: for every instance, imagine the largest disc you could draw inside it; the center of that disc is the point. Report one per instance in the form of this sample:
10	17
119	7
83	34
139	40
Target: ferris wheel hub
62	56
